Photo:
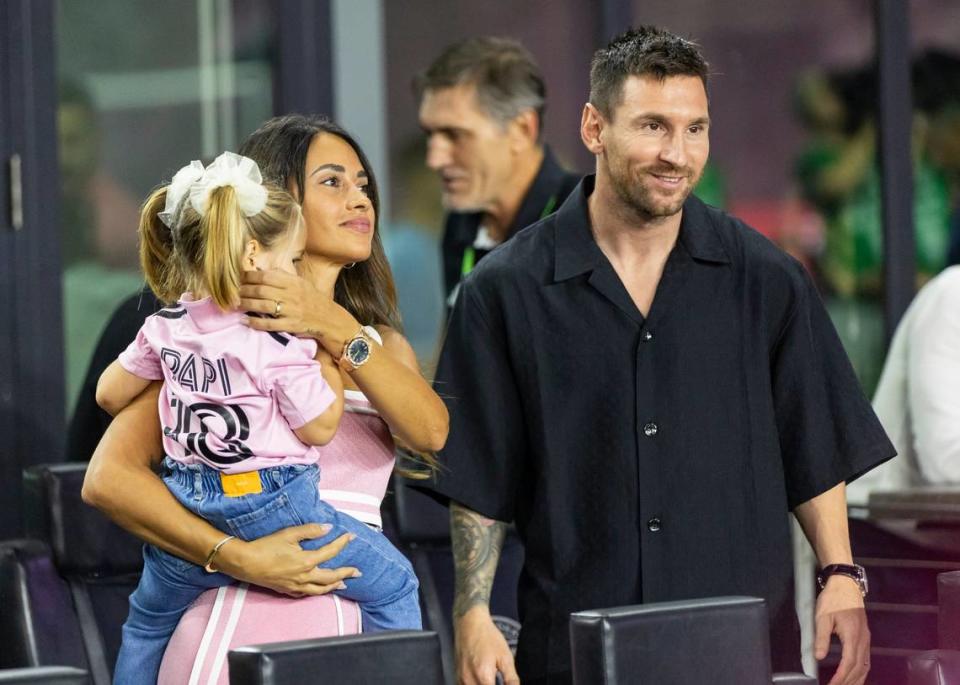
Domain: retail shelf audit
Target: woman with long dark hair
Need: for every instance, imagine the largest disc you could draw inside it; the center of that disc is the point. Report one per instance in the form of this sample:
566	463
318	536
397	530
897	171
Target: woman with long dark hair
345	299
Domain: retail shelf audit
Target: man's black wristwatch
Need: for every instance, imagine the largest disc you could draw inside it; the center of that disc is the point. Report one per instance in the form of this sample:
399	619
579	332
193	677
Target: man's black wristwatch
854	571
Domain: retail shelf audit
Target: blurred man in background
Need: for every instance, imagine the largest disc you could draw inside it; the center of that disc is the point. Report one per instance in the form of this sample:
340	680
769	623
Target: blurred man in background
481	107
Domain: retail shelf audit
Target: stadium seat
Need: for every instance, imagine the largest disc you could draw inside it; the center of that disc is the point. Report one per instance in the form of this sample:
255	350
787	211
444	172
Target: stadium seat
38	626
395	657
941	666
721	640
44	675
95	560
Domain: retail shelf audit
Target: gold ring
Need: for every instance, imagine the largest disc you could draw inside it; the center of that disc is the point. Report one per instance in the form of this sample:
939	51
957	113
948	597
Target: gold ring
276	310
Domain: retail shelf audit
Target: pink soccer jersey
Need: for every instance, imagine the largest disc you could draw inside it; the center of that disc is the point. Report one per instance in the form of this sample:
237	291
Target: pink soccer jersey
232	396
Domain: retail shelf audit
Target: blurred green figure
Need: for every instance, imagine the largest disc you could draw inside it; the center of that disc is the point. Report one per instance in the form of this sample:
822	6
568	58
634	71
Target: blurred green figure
838	175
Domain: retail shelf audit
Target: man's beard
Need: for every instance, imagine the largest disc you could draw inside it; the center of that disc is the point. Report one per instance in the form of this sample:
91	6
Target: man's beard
643	200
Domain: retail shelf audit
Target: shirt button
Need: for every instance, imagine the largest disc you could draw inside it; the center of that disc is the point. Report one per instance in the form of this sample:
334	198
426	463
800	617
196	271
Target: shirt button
650	429
653	525
647	336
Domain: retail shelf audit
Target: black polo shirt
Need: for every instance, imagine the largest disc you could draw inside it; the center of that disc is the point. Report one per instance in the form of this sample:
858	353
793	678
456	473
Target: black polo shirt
647	459
550	188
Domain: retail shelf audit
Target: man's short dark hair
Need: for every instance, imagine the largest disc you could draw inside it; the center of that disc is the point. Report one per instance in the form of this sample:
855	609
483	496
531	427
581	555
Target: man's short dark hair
643	51
507	79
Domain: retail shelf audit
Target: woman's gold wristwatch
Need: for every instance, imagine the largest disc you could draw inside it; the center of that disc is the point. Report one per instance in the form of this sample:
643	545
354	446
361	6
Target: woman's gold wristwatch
356	351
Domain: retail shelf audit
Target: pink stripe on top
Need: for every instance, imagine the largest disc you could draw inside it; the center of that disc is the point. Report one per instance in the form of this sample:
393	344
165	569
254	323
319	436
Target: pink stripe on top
355	470
232	395
237	616
355	466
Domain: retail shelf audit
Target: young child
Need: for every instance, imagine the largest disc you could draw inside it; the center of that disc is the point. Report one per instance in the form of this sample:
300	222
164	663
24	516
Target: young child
241	410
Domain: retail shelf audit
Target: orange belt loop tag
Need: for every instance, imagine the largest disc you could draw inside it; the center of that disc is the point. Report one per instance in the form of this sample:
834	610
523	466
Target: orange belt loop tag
240	484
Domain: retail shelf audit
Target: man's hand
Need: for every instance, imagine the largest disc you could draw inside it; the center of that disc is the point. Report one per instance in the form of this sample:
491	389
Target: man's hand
840	610
482	651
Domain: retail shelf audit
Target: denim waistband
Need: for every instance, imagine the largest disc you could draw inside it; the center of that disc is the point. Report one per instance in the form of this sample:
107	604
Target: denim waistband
202	477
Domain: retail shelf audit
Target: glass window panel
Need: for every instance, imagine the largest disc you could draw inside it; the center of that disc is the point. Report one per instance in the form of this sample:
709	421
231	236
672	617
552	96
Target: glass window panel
144	88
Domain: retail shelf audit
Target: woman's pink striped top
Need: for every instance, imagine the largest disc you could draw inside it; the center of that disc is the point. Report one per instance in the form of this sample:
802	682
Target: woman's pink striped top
355	471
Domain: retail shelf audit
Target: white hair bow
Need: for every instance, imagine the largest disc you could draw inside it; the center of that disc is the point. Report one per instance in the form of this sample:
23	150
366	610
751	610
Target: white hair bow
229	169
177	190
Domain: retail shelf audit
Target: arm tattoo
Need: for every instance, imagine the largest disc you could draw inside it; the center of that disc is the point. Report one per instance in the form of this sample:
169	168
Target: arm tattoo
476	551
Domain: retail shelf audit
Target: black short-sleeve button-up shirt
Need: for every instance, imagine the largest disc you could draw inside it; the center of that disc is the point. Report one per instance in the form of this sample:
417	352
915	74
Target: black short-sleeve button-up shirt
647	458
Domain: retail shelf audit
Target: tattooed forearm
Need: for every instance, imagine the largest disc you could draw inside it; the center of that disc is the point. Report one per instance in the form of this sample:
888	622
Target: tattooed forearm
476	550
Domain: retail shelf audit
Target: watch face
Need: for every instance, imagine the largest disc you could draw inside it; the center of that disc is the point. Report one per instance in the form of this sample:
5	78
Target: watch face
358	350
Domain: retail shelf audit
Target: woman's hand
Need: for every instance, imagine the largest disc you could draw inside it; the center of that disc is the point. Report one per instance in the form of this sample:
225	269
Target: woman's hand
391	379
278	562
294	305
145	507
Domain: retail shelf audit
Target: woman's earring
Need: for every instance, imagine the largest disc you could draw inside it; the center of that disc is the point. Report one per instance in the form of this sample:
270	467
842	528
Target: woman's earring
350	265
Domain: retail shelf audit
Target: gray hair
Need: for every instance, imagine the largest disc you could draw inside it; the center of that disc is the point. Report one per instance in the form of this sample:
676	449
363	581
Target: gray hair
507	79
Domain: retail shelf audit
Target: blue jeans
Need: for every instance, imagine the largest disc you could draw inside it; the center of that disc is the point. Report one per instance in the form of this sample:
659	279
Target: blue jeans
386	593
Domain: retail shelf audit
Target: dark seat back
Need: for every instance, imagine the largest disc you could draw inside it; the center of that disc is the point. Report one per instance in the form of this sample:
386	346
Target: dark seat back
419	518
948	610
99	561
722	641
903	559
793	679
38	626
941	666
44	675
934	667
396	657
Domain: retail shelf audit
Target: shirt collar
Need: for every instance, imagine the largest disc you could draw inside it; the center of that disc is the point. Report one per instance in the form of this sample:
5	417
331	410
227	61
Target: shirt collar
207	315
542	193
577	252
700	235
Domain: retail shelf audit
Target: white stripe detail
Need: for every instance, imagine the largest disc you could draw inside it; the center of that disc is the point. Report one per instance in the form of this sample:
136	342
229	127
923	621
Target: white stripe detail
336	603
357	403
348	496
373	333
228	633
363	516
207	636
356	409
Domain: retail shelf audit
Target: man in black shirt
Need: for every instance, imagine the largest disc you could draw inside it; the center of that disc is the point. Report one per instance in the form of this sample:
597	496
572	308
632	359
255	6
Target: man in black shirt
646	387
481	106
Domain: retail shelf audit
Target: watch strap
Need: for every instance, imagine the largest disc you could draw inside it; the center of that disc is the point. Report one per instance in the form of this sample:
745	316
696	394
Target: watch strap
855	572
